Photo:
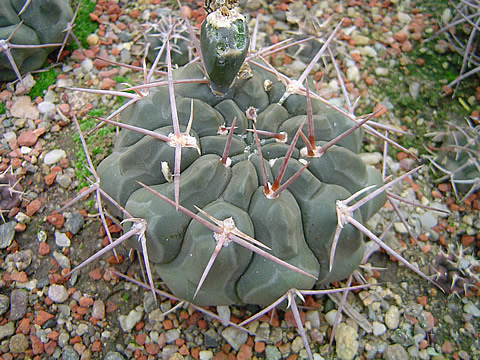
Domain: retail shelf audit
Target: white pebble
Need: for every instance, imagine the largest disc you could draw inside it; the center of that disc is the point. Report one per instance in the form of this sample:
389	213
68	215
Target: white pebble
353	74
87	65
61	239
54	156
57	293
378	328
45	107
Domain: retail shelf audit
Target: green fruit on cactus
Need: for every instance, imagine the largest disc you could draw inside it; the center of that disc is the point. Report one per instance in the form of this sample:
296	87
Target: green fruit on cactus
224	40
43	23
298	225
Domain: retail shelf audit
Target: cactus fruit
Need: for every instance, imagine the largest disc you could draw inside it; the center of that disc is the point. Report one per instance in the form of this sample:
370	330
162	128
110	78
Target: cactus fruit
40	23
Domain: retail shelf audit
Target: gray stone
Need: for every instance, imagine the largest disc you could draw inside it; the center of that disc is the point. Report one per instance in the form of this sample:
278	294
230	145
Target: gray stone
69	353
471	309
149	303
313	316
127	322
82	329
414	90
392	317
62	260
74	222
272	353
63	339
378	328
395	352
211	338
87	65
235	337
275	335
297	344
61	239
45	107
21	259
4	304
7	330
98	309
346	340
7	233
18	343
18	304
171	335
168	351
63	180
57	293
224	313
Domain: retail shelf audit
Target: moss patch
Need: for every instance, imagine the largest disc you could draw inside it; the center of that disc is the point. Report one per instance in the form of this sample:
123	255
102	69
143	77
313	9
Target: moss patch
84	26
43	81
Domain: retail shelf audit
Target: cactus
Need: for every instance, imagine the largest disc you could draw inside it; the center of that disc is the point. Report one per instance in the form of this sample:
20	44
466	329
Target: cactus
156	33
29	34
458	157
234	175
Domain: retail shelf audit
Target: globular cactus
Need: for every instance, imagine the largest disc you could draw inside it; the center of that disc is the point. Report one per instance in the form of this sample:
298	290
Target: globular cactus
458	157
156	33
298	223
40	23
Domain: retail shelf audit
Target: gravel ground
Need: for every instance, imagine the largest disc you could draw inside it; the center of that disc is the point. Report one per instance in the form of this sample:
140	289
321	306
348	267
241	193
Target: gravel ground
96	315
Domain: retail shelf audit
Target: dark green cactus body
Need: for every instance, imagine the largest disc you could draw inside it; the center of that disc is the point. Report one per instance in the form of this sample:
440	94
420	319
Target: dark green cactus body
298	225
459	156
224	40
43	23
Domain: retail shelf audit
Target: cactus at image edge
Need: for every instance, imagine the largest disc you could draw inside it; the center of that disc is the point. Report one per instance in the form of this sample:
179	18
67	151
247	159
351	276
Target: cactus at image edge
298	225
44	22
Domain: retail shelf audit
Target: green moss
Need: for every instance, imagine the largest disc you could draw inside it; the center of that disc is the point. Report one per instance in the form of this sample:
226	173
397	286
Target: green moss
43	81
84	26
431	105
2	108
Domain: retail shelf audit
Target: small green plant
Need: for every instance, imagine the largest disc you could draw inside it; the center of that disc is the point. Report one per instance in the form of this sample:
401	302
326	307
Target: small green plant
43	81
84	26
2	108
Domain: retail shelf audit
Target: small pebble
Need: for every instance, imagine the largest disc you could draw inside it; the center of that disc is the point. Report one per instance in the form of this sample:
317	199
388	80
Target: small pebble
74	222
4	304
392	317
7	330
61	239
235	337
395	352
18	304
98	310
127	322
7	233
62	260
57	293
346	342
18	343
54	156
